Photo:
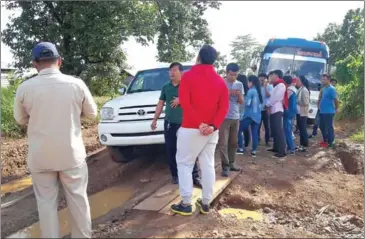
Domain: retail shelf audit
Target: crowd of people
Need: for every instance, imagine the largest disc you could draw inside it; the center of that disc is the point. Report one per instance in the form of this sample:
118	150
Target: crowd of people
205	112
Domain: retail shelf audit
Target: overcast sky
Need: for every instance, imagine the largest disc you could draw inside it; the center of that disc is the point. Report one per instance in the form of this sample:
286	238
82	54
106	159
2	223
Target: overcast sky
264	20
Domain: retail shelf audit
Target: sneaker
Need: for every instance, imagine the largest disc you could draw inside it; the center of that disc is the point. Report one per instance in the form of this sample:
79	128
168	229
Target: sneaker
197	183
302	150
272	150
204	209
279	156
175	180
234	168
253	154
225	172
311	136
181	209
291	152
240	151
324	145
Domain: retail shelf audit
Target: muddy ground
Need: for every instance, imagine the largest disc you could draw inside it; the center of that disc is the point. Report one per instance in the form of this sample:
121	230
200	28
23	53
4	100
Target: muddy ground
316	194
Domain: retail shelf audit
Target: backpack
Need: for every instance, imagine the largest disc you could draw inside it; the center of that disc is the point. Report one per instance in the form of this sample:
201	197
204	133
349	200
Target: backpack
292	107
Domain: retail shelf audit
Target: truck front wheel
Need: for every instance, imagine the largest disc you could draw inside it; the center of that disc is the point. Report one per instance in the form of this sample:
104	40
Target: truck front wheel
121	154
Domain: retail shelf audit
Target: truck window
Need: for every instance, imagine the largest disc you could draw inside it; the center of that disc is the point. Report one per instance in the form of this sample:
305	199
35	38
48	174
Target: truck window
150	80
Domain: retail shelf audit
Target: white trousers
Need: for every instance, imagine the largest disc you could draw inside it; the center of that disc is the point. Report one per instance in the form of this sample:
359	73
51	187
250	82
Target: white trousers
46	188
191	145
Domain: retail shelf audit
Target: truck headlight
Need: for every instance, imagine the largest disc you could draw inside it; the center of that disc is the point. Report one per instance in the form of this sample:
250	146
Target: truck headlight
107	113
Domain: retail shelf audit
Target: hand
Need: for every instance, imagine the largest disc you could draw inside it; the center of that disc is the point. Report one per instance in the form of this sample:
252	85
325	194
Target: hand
208	130
175	102
154	124
202	127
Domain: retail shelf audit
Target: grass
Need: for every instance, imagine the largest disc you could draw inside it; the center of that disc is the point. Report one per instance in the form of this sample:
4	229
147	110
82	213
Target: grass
358	137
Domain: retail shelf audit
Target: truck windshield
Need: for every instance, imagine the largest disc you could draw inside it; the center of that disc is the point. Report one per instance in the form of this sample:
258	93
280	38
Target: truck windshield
150	80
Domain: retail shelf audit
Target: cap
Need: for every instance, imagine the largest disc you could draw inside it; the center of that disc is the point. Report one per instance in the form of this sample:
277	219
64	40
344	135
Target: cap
294	80
45	50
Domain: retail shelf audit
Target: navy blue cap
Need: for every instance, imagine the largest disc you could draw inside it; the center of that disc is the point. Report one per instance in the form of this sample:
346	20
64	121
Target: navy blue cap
45	50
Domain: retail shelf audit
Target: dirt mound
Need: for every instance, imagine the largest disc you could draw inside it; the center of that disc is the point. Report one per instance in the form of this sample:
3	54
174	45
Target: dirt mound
14	154
351	156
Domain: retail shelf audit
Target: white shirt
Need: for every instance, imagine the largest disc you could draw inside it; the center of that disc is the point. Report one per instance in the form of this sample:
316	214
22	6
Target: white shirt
52	105
276	99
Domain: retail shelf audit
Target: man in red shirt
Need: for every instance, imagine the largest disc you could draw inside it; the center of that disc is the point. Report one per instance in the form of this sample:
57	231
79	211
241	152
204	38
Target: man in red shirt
203	98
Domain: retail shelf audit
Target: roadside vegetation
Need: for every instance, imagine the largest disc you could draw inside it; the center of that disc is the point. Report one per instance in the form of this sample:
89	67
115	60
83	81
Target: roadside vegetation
100	67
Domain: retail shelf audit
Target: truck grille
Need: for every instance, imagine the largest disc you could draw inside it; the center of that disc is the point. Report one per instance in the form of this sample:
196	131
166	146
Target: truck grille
138	134
138	113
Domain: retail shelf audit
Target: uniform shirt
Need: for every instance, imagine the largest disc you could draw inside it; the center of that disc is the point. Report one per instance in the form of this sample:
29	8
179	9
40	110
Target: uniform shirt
276	99
203	96
52	105
234	106
265	98
327	104
168	93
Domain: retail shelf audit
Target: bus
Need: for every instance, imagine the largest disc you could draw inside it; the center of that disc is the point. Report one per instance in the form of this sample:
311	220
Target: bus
296	57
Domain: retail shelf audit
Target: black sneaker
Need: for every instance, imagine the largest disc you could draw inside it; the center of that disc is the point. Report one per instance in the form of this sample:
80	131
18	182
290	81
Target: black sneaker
175	180
225	172
181	209
197	183
204	209
279	156
234	168
253	154
291	152
311	136
272	150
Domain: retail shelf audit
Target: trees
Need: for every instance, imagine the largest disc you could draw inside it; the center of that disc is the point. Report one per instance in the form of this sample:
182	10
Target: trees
346	43
221	63
89	33
244	49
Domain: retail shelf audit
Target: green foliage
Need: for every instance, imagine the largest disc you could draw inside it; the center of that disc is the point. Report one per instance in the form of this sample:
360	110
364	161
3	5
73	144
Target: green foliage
345	39
182	30
358	137
346	43
103	79
221	63
244	49
91	32
9	127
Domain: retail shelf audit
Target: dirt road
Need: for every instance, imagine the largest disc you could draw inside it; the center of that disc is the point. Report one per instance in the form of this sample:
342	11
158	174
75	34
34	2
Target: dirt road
316	194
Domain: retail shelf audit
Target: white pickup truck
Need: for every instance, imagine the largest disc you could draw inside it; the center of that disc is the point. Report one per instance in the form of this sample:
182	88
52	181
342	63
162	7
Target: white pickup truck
125	121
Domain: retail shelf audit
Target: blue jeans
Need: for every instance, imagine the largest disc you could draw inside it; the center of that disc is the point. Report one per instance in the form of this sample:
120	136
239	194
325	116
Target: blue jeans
327	129
316	124
288	130
244	124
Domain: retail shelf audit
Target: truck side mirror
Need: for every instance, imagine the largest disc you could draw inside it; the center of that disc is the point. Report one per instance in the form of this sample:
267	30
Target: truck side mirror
122	90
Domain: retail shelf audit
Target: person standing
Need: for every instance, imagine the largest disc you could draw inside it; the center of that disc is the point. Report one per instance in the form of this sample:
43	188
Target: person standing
290	113
277	103
204	100
173	118
266	90
302	109
327	108
243	135
52	104
228	132
252	114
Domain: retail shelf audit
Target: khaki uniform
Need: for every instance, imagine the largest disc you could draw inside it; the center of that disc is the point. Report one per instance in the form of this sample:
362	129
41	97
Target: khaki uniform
51	104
